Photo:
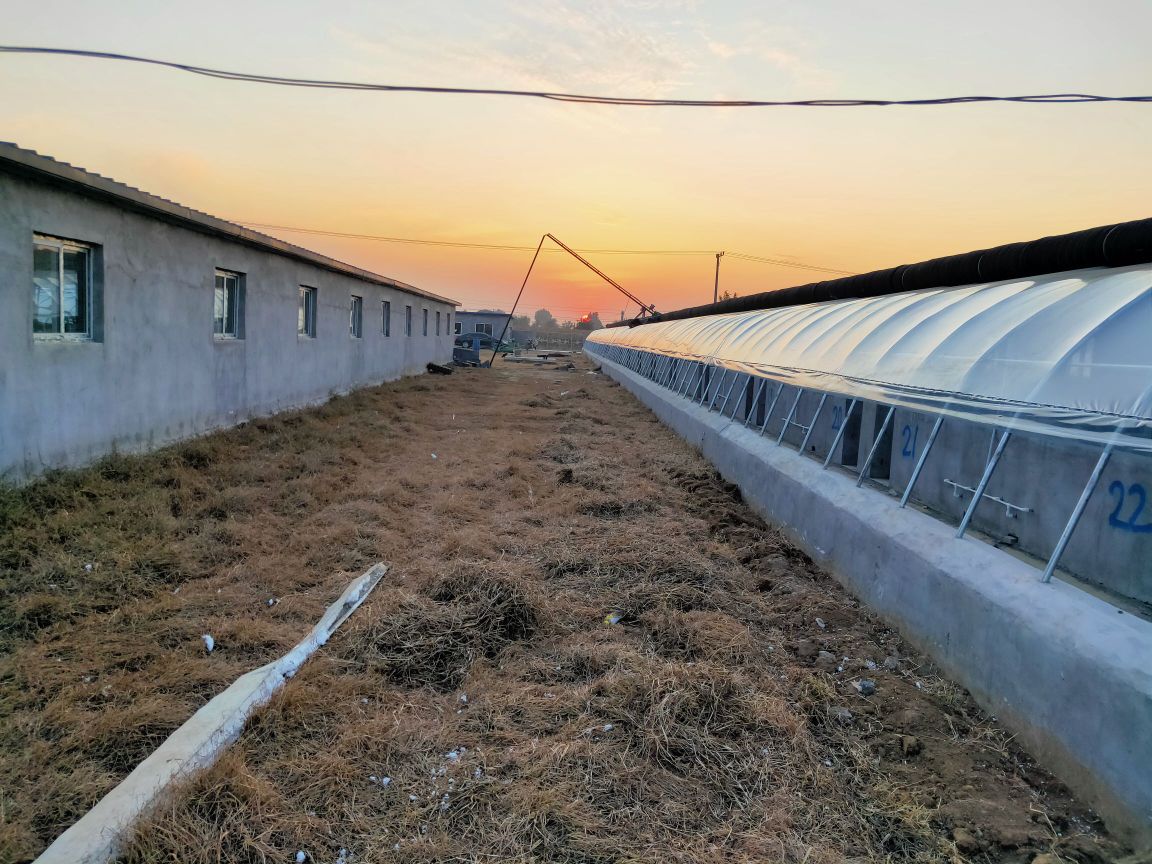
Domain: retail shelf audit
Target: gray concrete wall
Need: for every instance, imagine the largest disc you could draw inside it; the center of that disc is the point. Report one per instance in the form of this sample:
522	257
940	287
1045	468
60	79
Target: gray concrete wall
158	375
1112	544
1067	672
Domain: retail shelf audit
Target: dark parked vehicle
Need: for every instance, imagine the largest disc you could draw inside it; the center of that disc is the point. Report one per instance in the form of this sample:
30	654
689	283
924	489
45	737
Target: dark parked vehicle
467	340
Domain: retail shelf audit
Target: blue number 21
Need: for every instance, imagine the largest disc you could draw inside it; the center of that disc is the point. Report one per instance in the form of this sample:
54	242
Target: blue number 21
1129	524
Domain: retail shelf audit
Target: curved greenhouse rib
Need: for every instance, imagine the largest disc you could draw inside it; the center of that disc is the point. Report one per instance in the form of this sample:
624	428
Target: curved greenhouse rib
1067	354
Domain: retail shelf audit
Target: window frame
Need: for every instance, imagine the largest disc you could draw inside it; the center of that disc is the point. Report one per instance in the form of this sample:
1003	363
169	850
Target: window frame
356	316
386	318
408	320
437	322
60	245
237	305
309	298
425	325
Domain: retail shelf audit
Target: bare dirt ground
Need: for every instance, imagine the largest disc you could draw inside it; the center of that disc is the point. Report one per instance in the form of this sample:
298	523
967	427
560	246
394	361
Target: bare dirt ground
481	707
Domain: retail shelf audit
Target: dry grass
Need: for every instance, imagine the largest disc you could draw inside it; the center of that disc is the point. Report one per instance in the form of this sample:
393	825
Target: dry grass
513	723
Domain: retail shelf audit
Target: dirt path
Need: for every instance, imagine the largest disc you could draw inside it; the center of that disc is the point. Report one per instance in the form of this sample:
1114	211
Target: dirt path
479	707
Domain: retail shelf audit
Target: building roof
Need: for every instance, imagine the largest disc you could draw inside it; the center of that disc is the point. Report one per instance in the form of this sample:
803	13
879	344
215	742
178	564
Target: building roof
28	163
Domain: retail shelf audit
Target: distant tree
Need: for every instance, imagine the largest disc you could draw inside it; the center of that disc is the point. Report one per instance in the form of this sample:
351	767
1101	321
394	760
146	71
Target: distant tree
490	312
521	322
567	325
591	321
545	320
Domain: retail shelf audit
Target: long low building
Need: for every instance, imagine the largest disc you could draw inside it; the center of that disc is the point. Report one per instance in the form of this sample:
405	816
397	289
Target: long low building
128	321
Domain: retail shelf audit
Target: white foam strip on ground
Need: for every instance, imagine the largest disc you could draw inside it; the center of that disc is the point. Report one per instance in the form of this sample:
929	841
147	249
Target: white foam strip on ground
96	838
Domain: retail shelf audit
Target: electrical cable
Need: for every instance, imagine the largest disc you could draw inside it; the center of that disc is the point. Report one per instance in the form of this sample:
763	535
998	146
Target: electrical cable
1044	99
759	259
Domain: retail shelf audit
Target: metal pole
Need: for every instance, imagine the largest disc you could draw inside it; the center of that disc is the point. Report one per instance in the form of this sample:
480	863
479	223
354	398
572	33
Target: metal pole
791	414
755	398
978	492
704	383
716	285
684	376
728	395
771	408
742	397
812	425
923	458
876	444
716	392
839	433
508	320
1077	512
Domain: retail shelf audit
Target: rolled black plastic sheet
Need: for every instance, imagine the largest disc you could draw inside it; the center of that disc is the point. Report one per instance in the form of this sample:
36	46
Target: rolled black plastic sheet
1118	245
1067	355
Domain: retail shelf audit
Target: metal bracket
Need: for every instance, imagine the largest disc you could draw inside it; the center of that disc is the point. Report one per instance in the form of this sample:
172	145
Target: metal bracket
1008	505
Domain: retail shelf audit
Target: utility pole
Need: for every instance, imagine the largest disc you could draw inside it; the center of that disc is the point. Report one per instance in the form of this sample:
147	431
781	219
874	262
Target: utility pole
716	286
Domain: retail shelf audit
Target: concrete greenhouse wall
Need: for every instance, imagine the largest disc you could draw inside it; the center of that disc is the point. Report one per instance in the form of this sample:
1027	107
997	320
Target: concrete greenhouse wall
158	374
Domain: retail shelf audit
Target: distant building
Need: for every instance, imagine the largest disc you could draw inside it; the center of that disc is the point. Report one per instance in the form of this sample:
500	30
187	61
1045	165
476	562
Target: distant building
128	321
486	322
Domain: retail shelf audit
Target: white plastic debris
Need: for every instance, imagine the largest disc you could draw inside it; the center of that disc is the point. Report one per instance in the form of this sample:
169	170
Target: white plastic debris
301	857
464	698
364	701
614	618
87	568
608	727
478	773
413	798
341	857
434	456
828	762
380	781
209	642
271	601
444	802
820	623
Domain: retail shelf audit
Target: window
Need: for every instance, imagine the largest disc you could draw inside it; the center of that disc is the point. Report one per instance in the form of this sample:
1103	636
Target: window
485	328
386	317
407	320
425	322
356	317
437	322
228	306
457	330
306	321
62	288
448	324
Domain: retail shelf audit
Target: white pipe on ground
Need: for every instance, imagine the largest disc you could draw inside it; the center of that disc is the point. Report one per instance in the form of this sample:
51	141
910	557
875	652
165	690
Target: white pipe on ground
97	837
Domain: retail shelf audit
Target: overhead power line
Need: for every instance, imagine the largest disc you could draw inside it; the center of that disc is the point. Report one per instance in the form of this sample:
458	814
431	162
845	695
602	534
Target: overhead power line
1045	98
780	262
461	244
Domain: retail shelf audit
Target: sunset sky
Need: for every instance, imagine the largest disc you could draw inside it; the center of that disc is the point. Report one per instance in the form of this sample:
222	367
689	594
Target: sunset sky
849	188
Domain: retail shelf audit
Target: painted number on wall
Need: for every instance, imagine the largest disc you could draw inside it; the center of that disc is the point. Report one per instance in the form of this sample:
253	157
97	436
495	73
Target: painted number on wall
1129	501
909	433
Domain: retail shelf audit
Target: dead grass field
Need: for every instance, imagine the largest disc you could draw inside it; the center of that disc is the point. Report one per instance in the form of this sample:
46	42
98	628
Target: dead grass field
517	508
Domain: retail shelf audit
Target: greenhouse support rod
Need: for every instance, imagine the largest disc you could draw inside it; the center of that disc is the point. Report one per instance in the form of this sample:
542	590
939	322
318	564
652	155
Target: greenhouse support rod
743	397
760	385
791	414
728	396
771	408
920	462
812	423
1077	512
839	432
876	444
978	492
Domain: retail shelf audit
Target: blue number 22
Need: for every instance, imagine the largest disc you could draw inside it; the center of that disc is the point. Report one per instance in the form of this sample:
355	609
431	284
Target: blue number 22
1129	524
